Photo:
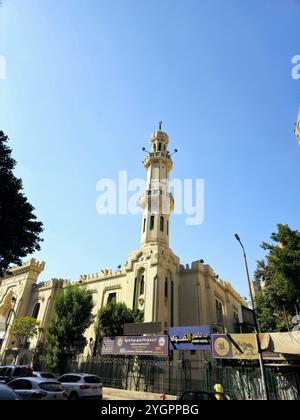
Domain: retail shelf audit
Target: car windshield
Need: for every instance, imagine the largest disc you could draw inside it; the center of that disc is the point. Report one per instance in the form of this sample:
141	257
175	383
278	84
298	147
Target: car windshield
51	387
91	380
5	371
47	376
22	371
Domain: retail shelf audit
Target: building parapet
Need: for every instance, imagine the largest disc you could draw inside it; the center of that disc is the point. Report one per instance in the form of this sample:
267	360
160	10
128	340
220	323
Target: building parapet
31	265
195	267
228	288
100	275
51	283
200	266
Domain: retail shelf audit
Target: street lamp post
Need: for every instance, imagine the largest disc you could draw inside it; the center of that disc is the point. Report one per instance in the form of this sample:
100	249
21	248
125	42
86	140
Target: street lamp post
260	352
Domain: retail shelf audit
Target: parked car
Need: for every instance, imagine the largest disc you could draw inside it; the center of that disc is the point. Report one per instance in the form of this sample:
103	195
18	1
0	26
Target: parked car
81	386
9	373
38	389
7	394
203	396
43	375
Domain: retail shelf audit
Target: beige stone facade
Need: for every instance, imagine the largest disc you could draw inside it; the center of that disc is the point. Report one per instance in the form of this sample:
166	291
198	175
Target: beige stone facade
152	279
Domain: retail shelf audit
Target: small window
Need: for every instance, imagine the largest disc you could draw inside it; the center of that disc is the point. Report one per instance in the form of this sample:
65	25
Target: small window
22	372
92	380
144	227
5	371
21	384
36	311
112	298
159	147
69	379
162	223
219	311
152	220
168	228
142	286
46	376
166	288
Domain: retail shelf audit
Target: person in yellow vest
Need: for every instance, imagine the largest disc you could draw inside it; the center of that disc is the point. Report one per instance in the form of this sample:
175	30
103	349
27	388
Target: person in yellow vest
220	392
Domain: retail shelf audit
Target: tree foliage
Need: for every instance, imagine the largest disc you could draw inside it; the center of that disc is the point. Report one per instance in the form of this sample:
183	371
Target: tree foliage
24	329
112	318
19	229
65	334
280	274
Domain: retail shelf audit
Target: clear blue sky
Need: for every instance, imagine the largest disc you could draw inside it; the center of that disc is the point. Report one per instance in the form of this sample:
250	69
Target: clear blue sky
87	82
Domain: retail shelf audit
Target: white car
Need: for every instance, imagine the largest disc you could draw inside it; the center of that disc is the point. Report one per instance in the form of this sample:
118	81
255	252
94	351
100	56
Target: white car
38	389
81	386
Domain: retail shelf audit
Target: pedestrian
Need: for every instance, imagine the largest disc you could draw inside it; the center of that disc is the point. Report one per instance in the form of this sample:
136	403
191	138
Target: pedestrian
219	390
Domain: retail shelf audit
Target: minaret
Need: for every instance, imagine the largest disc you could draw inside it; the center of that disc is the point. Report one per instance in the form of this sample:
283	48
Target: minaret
157	202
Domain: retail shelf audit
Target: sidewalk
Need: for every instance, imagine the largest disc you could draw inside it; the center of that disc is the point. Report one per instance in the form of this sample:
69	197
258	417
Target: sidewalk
120	394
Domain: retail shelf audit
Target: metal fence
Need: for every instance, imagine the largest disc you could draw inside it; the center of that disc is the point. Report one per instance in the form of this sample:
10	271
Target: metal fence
174	377
244	383
139	374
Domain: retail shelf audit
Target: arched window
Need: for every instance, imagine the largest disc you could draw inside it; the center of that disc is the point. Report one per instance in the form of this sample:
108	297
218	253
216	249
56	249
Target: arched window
152	221
162	223
142	286
112	298
159	147
36	311
219	310
9	318
166	288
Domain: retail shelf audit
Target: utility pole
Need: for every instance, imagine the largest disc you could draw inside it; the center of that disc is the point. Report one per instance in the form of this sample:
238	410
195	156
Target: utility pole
260	352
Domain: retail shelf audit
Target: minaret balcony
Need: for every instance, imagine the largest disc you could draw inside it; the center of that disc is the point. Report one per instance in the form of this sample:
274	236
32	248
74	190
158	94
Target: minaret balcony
158	156
157	201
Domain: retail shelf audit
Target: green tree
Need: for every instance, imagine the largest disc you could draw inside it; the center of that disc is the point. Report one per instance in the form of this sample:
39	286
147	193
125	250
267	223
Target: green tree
280	274
20	230
24	329
65	334
112	318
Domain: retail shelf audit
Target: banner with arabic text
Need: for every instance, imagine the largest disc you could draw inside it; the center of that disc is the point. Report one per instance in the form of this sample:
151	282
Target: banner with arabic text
190	338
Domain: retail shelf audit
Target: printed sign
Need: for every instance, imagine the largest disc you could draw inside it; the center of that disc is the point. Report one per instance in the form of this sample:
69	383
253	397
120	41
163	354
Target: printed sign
136	346
190	338
239	346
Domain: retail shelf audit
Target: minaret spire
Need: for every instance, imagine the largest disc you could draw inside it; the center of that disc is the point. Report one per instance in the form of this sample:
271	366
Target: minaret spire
157	202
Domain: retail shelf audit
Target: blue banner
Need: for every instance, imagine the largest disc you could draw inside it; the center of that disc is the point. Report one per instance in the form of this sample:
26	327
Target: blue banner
190	338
